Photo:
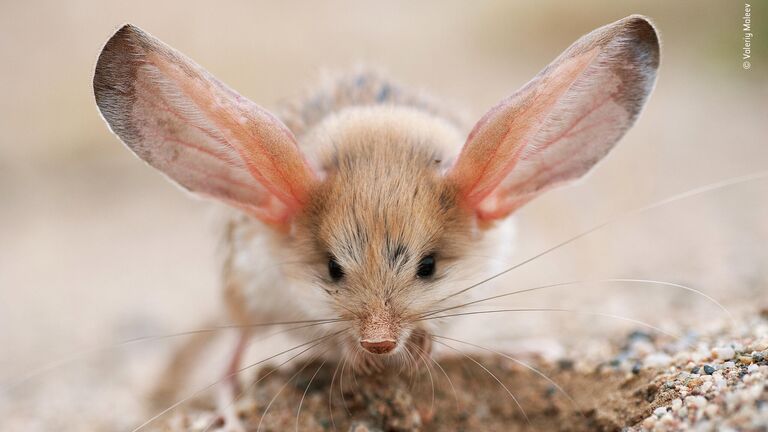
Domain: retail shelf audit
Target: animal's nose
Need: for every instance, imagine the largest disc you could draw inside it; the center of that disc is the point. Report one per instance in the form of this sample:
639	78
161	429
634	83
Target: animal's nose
378	346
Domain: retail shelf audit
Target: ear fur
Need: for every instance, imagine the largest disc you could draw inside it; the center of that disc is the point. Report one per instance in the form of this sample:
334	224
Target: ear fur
181	120
562	122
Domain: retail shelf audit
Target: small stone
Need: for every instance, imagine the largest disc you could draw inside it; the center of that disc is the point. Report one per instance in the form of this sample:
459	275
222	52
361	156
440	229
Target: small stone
696	401
711	411
660	411
709	370
667	419
720	382
649	423
729	365
636	368
565	364
695	370
704	387
658	360
677	404
745	360
724	353
752	368
639	335
359	427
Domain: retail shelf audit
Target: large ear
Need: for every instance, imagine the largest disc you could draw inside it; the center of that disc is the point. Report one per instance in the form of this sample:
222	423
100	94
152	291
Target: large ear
562	122
199	132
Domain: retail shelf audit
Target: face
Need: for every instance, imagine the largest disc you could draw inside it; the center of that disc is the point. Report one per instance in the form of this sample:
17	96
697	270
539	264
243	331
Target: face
384	241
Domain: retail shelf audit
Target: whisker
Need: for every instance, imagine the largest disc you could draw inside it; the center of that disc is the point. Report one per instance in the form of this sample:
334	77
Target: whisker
527	420
252	365
601	314
330	394
15	382
353	370
274	398
301	402
409	360
613	280
524	364
341	386
450	383
253	384
674	198
429	372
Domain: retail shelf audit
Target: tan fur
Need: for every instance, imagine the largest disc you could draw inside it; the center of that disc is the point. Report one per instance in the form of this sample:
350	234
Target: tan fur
383	204
387	182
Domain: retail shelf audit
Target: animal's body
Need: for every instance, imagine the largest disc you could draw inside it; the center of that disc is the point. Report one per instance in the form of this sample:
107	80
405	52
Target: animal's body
367	206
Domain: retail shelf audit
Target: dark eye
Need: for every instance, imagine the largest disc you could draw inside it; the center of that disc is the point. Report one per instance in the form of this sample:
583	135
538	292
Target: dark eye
334	269
426	267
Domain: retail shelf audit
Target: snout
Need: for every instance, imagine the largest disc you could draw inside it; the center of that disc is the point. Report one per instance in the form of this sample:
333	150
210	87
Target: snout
379	346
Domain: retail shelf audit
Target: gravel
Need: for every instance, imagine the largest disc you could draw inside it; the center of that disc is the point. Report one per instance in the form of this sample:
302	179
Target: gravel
642	383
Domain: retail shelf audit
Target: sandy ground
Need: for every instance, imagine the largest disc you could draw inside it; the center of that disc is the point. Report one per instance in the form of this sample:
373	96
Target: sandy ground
643	382
95	248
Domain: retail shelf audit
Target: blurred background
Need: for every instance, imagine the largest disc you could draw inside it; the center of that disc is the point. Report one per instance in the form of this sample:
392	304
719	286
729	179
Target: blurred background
95	247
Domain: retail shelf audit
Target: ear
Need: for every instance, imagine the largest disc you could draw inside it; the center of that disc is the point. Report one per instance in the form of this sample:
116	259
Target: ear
181	120
562	122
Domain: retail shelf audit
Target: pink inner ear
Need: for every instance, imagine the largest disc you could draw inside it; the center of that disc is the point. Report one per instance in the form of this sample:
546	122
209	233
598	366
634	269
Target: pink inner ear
500	139
267	147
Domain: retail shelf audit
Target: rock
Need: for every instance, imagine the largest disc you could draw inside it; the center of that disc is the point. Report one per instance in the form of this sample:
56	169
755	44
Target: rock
677	404
649	423
724	353
709	370
759	346
696	401
658	360
361	427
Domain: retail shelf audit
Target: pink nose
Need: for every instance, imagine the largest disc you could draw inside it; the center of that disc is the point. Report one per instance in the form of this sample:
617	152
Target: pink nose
379	346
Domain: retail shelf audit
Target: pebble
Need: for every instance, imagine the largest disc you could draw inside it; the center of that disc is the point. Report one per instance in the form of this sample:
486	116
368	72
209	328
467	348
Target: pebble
660	411
711	411
720	382
696	401
752	368
658	360
677	404
704	387
745	360
724	353
709	370
649	423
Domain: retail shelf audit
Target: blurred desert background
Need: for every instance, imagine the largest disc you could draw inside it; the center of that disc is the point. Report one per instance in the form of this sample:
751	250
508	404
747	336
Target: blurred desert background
95	247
